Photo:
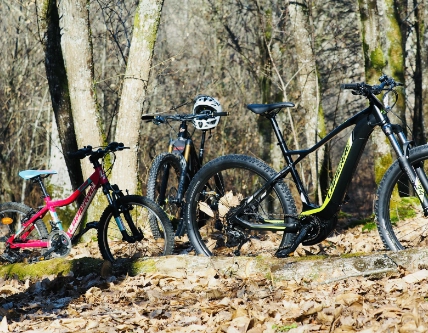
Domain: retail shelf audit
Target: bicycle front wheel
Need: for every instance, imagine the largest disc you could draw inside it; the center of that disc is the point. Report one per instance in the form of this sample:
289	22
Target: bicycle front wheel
208	206
136	210
163	184
399	216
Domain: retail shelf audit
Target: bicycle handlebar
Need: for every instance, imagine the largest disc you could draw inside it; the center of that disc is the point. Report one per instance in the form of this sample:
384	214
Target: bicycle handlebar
183	117
365	89
100	152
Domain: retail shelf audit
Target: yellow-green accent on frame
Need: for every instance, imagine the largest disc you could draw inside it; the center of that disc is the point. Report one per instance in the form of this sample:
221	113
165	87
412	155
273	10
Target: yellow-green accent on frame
335	179
272	226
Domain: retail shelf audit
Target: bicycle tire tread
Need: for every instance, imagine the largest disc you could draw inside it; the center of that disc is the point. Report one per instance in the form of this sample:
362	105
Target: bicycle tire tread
382	199
222	163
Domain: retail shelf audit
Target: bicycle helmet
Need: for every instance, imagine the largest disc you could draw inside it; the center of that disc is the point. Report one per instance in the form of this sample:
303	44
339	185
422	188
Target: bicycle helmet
206	104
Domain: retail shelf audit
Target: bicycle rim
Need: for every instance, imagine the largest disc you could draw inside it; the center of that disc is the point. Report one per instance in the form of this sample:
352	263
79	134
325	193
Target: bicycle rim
209	206
400	218
112	245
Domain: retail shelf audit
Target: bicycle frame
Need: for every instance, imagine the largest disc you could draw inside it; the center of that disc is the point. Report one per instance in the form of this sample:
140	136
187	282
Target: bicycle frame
94	182
365	122
193	162
188	151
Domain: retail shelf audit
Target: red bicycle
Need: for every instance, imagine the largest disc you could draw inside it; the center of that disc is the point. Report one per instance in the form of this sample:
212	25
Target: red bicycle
123	230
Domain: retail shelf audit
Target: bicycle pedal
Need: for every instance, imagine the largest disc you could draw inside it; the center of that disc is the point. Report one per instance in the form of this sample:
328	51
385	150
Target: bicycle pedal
37	259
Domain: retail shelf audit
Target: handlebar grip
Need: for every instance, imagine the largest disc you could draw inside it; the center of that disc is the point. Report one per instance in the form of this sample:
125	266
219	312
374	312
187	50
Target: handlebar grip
220	114
115	146
147	117
351	86
81	153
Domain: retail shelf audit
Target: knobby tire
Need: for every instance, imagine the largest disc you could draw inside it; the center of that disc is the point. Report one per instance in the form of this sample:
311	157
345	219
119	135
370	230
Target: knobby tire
110	240
399	216
241	176
163	183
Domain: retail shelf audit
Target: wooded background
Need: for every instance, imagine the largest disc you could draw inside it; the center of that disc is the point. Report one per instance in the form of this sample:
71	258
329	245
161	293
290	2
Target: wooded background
238	51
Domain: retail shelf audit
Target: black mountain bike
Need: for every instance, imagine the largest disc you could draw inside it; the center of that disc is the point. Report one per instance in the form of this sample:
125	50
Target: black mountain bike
255	212
172	171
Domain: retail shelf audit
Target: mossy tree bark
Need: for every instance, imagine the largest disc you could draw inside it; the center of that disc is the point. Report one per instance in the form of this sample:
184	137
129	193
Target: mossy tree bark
383	52
146	23
421	72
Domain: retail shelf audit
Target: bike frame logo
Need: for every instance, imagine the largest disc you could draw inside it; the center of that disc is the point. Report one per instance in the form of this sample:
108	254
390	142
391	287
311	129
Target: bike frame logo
82	209
339	168
335	178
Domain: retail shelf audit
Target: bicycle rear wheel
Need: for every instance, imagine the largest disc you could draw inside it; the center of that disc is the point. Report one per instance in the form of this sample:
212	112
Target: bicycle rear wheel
11	216
138	208
208	205
163	185
399	217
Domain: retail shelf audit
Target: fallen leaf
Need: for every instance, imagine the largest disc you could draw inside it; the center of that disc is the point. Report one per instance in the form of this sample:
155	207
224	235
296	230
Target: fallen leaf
3	325
416	277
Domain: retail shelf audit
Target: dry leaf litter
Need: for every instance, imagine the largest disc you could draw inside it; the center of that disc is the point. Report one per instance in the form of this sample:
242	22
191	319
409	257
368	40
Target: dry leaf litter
211	302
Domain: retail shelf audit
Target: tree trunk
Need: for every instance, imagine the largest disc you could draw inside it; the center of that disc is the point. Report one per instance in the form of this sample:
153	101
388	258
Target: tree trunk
421	72
76	47
423	14
308	82
383	53
146	22
58	87
77	51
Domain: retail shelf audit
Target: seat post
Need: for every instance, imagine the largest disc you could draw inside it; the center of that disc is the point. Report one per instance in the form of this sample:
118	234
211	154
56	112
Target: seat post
39	180
279	137
287	157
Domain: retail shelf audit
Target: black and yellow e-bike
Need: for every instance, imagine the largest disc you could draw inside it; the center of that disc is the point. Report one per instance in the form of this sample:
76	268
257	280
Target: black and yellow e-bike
254	211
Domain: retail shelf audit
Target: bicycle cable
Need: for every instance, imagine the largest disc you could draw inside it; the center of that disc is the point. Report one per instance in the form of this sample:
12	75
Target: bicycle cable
389	109
109	169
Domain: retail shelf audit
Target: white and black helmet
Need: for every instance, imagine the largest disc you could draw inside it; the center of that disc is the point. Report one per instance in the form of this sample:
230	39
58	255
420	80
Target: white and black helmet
206	104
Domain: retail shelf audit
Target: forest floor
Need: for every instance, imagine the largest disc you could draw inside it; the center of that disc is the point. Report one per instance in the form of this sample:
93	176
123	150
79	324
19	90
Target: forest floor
209	301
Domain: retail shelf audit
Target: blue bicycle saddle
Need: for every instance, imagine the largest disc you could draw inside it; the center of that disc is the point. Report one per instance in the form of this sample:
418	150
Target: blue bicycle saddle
28	174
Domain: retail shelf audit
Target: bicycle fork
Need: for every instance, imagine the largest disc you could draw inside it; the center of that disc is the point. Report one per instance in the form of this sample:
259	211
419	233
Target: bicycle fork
137	234
416	173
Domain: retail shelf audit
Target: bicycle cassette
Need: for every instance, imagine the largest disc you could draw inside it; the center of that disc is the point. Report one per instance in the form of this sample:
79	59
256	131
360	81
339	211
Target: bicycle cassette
59	244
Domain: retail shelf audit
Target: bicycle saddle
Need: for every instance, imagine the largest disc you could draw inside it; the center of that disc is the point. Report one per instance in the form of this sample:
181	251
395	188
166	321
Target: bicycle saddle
262	108
28	174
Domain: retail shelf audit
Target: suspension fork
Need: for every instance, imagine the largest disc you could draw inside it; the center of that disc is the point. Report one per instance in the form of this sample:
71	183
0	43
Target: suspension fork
415	173
137	235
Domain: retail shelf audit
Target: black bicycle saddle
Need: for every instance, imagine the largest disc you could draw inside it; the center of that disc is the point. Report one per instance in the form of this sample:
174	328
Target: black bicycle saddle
262	108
